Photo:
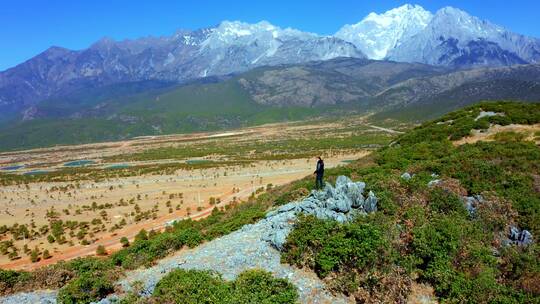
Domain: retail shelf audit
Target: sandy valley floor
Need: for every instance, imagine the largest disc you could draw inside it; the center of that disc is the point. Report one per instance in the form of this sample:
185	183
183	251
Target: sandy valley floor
109	208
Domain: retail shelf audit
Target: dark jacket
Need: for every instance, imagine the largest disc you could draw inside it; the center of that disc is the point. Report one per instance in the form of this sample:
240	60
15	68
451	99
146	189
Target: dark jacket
320	168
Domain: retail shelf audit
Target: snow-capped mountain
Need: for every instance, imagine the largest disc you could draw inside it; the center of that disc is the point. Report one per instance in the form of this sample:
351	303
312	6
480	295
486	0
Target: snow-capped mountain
450	37
456	38
237	46
227	48
376	34
409	33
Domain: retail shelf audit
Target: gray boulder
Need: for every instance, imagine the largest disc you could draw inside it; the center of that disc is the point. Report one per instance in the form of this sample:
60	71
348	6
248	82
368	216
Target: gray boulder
519	237
433	182
342	180
341	203
370	204
406	176
472	203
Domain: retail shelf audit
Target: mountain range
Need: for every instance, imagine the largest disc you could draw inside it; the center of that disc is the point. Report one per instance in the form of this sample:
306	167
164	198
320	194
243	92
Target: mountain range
392	61
339	86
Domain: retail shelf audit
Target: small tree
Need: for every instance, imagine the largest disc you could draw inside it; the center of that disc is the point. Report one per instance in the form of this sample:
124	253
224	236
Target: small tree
100	250
142	235
124	241
34	255
46	255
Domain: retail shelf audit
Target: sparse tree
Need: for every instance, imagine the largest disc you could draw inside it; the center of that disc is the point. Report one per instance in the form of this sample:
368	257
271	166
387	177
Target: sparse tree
34	255
142	235
124	241
100	250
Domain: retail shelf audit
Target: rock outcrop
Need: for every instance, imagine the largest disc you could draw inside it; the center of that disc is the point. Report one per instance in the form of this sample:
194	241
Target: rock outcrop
519	237
341	204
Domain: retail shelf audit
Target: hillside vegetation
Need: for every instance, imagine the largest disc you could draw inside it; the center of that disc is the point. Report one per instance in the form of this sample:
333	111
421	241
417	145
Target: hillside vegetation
425	234
420	235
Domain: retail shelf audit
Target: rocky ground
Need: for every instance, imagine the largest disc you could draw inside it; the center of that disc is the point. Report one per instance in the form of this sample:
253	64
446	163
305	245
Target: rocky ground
41	296
254	246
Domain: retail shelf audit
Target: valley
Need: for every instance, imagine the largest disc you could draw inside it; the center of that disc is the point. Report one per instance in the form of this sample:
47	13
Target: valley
178	158
63	202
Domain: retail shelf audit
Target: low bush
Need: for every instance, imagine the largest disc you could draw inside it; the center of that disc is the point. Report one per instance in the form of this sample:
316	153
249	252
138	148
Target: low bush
252	286
329	246
85	289
9	278
257	286
446	202
192	287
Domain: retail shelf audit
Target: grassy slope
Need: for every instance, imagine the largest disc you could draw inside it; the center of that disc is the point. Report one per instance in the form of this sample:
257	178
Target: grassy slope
419	234
424	234
460	97
162	111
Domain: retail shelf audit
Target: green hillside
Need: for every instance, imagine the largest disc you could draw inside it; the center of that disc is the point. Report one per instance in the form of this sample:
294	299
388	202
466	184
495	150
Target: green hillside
421	234
424	234
178	109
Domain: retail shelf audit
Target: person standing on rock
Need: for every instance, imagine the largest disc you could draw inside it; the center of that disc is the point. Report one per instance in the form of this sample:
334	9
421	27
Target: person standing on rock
319	172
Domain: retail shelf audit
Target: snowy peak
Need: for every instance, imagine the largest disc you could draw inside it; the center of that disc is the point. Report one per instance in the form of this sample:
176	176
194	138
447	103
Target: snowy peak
229	33
238	46
451	37
455	23
376	34
237	29
455	38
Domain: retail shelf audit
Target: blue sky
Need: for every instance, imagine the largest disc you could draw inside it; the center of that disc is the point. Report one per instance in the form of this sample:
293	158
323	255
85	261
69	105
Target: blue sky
29	27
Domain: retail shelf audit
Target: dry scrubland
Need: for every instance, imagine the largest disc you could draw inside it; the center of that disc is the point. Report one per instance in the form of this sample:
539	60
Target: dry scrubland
51	212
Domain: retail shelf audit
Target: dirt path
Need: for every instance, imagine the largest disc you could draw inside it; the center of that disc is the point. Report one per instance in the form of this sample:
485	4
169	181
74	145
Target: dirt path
384	129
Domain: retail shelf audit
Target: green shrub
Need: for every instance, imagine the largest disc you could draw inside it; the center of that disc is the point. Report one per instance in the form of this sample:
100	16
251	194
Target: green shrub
9	278
328	246
438	239
190	237
445	202
89	265
124	241
142	235
100	250
192	287
251	286
481	124
85	289
257	286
